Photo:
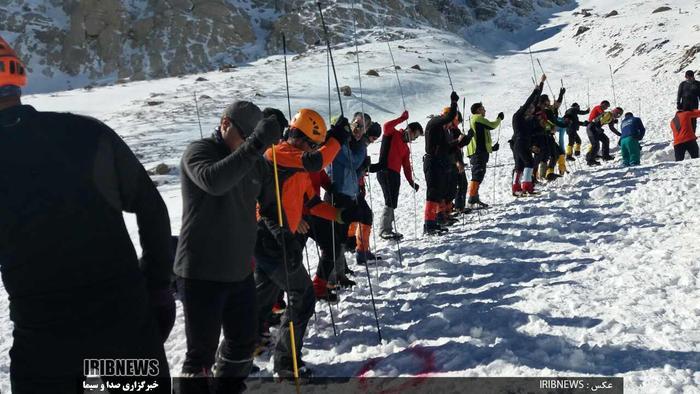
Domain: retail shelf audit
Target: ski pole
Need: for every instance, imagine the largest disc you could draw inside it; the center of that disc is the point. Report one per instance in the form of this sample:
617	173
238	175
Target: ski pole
308	269
330	55
369	279
496	162
612	82
286	76
588	93
532	62
410	142
325	274
448	73
548	85
196	106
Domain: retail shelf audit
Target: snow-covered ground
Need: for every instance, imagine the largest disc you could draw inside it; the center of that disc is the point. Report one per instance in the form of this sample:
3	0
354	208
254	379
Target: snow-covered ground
597	276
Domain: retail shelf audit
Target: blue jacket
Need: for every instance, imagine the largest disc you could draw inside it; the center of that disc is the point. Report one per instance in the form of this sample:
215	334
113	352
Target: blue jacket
348	161
632	127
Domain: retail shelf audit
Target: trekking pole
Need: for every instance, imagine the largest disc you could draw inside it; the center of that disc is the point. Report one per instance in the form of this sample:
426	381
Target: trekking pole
448	73
588	93
410	143
196	106
308	268
335	76
612	82
495	170
464	109
364	130
548	85
286	76
290	299
532	62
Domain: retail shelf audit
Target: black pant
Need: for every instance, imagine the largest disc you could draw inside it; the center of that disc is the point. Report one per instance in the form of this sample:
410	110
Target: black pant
270	276
434	168
554	151
690	146
522	155
390	181
324	234
597	137
462	183
451	182
573	137
210	306
478	162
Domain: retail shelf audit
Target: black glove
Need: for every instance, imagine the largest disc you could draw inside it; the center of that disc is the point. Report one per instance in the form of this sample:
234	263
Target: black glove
266	133
496	147
415	186
366	164
340	130
585	123
679	107
454	97
267	112
501	115
562	91
163	308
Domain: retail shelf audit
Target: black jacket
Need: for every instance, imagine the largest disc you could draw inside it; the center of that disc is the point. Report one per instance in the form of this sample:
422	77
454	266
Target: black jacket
688	95
66	257
572	114
438	141
525	129
219	195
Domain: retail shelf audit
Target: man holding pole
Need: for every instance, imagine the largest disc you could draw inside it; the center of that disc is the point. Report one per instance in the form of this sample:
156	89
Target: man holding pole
479	149
278	250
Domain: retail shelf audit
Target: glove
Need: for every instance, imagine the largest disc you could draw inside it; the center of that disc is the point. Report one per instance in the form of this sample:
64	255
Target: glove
266	133
267	112
404	115
163	309
340	130
454	97
585	123
367	163
496	147
501	115
679	107
415	186
562	91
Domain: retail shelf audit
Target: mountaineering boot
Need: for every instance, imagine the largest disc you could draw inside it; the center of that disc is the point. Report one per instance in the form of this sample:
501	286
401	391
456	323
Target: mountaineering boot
305	373
432	228
475	203
390	235
592	163
324	291
569	153
363	256
577	149
345	282
608	157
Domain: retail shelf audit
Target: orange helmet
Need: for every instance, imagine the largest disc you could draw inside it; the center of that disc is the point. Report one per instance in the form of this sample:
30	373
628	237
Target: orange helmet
311	124
12	70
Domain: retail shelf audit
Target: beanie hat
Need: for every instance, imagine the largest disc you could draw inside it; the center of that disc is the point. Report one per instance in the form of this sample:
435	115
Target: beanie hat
244	115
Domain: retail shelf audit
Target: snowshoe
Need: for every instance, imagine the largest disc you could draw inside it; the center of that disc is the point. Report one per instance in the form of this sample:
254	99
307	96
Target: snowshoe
390	235
433	229
305	373
608	157
552	177
346	282
478	204
362	257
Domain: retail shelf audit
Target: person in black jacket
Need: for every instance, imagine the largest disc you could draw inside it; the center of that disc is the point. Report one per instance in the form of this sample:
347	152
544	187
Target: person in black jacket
76	287
525	126
222	177
574	145
435	165
688	96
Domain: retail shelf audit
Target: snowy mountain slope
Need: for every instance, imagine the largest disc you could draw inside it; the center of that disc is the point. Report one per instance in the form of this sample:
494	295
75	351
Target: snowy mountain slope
597	276
72	44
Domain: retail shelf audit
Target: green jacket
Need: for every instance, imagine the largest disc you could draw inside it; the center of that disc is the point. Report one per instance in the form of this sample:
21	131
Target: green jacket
481	143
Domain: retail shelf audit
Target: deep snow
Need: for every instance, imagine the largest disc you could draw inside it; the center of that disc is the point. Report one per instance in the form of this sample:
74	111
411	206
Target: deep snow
597	276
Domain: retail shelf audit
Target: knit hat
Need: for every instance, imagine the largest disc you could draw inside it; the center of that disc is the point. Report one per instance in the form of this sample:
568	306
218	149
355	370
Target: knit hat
244	115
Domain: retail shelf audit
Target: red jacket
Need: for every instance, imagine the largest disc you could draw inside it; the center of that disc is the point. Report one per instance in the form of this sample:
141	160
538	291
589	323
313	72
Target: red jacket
682	126
595	112
399	154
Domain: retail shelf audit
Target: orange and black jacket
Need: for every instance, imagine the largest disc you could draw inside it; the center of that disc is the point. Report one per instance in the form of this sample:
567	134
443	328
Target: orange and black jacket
297	194
682	126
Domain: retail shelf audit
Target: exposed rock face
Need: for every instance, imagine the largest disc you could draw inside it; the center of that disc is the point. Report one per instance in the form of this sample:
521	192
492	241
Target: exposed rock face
121	40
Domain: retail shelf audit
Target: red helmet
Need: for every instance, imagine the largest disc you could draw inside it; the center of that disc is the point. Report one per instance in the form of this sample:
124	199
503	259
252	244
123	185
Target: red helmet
12	70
